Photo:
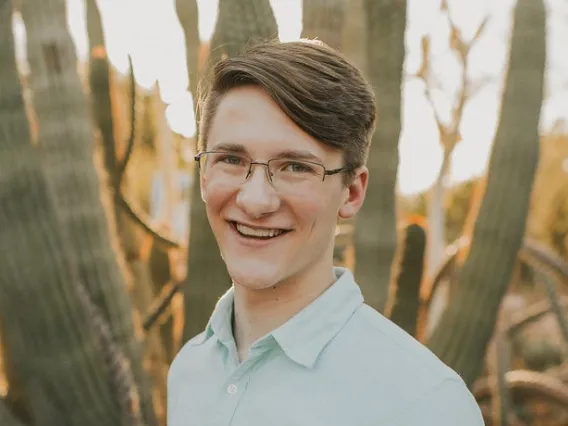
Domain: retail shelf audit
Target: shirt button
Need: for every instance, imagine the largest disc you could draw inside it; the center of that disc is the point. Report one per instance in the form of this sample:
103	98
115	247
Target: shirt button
232	389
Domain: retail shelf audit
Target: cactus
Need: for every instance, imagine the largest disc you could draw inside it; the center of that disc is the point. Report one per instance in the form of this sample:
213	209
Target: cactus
130	237
188	15
6	416
324	20
468	322
65	138
406	295
375	224
239	23
54	351
448	269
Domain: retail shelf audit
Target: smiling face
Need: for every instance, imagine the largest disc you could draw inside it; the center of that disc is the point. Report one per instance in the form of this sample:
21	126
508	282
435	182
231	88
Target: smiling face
270	234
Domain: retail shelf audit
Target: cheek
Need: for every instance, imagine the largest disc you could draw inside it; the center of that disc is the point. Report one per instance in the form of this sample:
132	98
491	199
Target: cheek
313	210
216	196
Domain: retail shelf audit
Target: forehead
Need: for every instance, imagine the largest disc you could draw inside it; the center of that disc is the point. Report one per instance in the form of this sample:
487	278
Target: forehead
247	116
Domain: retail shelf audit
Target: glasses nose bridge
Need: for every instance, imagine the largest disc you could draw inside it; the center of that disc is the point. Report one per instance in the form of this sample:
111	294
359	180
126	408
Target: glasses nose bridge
266	170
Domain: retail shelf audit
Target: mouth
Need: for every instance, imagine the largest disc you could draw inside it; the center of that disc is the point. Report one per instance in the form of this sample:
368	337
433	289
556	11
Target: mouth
258	233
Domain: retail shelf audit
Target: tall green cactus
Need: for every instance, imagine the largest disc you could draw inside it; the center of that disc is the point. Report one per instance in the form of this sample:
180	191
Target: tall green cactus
129	236
467	324
99	85
55	355
66	140
188	15
7	418
324	20
405	300
239	24
375	224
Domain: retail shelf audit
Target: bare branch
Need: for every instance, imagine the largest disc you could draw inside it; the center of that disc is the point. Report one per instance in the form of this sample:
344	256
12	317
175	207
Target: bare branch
474	88
161	303
479	30
449	133
456	40
442	128
130	145
138	217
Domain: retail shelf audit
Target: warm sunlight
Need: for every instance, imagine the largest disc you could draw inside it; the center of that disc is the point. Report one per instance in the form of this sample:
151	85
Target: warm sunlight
155	40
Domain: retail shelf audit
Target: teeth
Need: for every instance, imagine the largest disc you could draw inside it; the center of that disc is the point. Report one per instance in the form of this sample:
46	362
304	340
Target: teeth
254	232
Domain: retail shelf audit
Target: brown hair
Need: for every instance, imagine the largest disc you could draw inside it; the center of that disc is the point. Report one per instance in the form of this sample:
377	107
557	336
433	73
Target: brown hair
316	87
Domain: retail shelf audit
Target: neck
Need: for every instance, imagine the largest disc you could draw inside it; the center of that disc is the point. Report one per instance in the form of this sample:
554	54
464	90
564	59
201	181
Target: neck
258	312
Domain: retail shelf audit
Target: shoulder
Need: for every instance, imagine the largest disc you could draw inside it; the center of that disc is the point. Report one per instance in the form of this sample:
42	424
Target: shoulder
447	404
187	355
403	355
381	357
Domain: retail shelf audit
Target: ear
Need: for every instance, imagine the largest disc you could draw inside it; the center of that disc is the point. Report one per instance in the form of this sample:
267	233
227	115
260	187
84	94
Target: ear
355	193
202	187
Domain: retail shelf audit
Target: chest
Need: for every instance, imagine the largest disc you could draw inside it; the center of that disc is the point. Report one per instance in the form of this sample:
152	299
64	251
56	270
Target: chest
276	392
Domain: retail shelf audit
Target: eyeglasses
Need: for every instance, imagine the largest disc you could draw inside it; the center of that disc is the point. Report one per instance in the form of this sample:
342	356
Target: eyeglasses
284	174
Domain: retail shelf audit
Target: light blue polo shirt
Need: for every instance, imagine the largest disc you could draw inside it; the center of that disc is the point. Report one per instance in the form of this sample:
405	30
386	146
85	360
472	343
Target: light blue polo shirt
338	362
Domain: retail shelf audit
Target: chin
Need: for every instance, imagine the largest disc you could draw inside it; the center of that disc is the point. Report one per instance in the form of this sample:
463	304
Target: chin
254	275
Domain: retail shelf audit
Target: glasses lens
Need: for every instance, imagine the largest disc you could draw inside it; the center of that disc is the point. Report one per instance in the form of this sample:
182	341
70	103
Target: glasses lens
295	174
224	166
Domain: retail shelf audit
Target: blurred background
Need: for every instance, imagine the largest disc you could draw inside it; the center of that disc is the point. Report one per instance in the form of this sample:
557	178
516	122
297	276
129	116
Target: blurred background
107	263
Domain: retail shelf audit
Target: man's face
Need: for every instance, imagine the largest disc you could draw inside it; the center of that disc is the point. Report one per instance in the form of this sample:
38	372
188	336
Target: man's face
301	217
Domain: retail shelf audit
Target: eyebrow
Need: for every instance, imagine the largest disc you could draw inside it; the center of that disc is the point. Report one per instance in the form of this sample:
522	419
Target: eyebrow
230	147
291	154
299	155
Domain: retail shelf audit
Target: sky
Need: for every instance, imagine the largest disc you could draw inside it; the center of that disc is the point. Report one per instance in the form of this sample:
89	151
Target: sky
149	30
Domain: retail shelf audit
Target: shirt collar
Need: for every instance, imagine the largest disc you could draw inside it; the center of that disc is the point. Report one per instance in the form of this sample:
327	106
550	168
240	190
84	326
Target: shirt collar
220	322
304	336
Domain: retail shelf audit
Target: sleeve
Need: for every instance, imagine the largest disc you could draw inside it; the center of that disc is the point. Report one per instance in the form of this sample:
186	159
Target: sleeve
448	404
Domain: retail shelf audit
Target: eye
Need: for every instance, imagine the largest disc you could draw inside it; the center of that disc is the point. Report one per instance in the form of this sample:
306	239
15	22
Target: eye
297	167
230	159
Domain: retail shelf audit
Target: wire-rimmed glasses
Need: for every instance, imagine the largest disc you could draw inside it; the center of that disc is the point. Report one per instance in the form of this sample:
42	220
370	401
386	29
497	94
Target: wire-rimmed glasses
283	173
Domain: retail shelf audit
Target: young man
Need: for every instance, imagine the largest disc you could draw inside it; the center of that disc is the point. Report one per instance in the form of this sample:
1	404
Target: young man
284	136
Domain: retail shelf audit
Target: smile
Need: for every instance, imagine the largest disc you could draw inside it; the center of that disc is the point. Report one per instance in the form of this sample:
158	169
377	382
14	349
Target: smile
259	233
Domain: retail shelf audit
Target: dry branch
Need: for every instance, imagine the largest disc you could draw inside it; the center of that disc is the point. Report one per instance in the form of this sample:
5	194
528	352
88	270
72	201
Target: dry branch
527	383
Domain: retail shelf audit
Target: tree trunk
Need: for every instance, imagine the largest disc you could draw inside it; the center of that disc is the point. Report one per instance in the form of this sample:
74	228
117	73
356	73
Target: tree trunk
324	20
375	224
239	23
467	325
66	139
437	218
55	355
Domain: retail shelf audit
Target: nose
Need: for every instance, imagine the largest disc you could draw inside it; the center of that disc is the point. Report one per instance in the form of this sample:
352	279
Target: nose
256	196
